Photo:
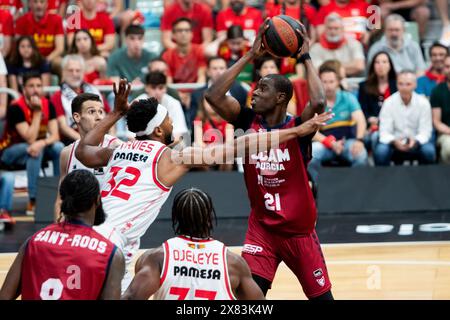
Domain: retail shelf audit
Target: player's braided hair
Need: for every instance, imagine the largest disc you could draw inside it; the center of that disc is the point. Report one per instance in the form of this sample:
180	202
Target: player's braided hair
193	213
79	191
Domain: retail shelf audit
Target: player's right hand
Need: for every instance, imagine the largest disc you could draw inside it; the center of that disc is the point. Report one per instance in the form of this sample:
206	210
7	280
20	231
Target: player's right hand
306	41
314	124
121	96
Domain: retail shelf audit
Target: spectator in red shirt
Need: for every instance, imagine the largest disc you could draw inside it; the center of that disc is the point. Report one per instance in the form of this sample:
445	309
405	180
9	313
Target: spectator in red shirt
46	28
6	32
3	96
58	7
199	14
26	58
84	44
31	132
121	16
296	9
13	6
99	24
239	14
354	14
73	67
210	127
186	61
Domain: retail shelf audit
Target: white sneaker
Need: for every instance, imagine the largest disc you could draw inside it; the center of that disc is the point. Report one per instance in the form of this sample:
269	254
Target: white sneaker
445	37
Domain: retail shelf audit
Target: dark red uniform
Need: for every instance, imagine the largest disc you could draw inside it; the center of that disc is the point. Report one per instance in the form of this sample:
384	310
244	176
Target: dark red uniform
283	211
66	261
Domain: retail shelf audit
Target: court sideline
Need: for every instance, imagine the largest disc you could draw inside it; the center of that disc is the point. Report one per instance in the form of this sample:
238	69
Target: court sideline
389	270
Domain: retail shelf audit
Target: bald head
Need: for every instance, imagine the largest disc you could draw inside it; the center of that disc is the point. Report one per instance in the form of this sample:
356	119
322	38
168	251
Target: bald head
406	83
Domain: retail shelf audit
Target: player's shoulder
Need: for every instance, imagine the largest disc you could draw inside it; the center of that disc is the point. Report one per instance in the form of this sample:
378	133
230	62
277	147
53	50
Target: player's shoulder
151	257
67	151
234	260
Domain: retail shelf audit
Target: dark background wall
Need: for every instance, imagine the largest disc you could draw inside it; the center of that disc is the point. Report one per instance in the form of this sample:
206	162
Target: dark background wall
341	190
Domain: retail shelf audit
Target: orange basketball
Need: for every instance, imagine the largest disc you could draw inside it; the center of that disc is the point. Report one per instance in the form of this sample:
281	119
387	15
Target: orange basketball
281	38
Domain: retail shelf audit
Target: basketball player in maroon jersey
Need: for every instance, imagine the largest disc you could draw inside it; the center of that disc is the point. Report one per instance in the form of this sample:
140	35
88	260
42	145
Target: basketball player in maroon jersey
219	274
283	212
69	260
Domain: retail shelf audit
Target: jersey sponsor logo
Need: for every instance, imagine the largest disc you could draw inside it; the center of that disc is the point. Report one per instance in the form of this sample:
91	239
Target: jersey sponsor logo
318	273
251	249
274	155
271	162
130	156
211	258
197	273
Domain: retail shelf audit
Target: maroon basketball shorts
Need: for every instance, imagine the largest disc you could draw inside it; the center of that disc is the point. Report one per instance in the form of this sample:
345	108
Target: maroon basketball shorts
264	250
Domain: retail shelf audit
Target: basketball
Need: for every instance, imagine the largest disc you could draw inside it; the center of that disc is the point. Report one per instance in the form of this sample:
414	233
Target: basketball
281	38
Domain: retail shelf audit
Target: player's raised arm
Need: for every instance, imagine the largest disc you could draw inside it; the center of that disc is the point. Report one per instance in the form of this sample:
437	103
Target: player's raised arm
317	100
174	164
112	287
216	95
11	288
147	275
88	150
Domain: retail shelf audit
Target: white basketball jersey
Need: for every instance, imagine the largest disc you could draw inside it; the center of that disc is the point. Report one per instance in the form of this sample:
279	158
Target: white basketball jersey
75	164
193	270
132	196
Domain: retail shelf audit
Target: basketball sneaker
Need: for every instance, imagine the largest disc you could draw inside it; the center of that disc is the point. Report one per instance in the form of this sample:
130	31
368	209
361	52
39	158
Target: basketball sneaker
30	208
6	218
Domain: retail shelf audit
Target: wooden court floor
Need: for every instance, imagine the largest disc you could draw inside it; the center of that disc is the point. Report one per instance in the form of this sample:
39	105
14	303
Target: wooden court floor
411	270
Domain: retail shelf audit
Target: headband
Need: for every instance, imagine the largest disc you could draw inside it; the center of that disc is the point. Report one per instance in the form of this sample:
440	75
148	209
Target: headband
156	121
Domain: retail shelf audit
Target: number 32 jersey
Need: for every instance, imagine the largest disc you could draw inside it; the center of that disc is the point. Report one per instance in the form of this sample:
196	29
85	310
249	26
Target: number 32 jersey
131	194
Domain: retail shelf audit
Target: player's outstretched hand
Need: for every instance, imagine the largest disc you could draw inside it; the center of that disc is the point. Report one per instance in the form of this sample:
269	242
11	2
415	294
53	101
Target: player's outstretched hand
306	41
258	48
314	124
121	96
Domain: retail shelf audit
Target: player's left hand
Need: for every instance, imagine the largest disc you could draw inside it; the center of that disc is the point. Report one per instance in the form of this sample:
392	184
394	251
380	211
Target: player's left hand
306	41
314	124
121	96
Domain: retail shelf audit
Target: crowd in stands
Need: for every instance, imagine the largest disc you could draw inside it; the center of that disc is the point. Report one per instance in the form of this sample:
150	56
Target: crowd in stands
398	111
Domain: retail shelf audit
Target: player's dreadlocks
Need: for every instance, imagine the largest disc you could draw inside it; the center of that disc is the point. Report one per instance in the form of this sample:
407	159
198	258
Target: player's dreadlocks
79	191
193	213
